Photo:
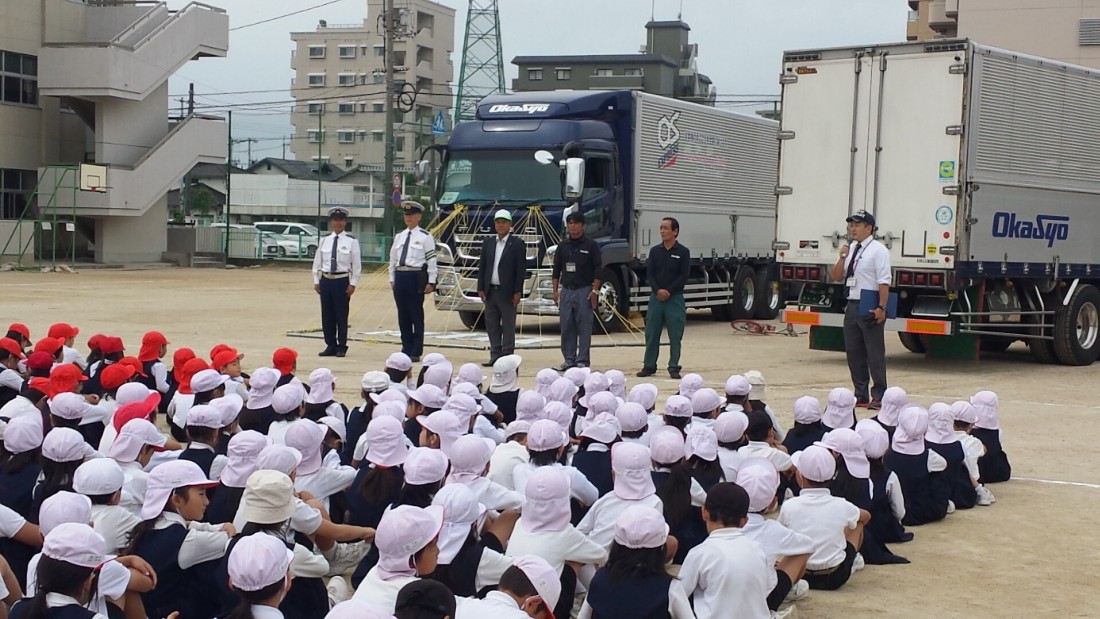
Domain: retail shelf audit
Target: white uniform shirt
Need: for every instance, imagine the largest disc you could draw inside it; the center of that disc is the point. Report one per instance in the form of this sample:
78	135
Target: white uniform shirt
178	407
72	355
974	449
556	547
113	580
11	379
133	486
760	449
10	521
581	488
325	482
381	593
728	574
493	495
502	464
485	428
17	407
776	541
730	460
160	376
421	251
217	466
897	497
501	244
305	519
204	542
872	266
678	605
57	600
823	518
599	523
348	259
114	523
496	605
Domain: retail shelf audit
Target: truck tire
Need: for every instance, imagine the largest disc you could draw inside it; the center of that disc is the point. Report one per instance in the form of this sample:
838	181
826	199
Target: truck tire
745	294
912	342
611	308
1042	350
724	311
1077	327
769	295
472	320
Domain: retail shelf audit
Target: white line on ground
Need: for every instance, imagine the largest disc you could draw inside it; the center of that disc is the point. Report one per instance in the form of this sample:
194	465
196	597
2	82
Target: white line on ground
1058	483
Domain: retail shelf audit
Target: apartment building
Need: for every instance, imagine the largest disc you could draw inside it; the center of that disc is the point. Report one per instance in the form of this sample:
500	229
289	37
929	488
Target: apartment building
667	65
86	82
339	82
1067	30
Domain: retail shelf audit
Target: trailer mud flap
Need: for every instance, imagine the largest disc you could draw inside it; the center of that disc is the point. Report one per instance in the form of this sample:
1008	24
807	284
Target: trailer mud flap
827	338
965	347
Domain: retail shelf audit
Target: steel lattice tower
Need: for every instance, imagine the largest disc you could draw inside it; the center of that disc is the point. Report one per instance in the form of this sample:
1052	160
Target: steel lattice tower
482	71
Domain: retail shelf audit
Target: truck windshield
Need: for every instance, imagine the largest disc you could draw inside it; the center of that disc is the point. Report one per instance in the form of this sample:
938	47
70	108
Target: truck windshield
500	175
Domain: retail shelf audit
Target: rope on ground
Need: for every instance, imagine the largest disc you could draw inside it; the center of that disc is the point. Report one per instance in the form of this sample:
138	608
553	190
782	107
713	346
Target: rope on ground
753	327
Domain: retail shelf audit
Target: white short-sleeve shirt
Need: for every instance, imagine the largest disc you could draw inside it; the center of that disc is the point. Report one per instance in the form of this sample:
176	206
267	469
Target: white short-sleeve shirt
823	518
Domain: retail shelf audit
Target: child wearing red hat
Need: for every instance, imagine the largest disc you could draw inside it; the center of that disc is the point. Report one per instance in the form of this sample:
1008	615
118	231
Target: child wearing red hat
67	333
153	348
112	351
227	360
11	381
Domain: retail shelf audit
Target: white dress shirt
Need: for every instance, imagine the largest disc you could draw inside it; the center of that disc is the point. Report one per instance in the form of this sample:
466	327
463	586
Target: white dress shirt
114	523
581	489
496	605
17	407
204	542
11	379
761	449
133	486
599	523
421	252
113	580
727	574
872	266
730	460
897	497
381	593
776	541
10	521
501	244
348	259
556	547
72	355
325	482
493	495
823	518
506	457
974	449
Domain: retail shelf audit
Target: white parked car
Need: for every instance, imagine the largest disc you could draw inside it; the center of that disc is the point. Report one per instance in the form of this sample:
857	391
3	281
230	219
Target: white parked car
301	240
270	245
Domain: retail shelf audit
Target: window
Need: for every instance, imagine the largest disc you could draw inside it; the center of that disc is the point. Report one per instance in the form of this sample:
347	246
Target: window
563	74
316	136
379	78
377	136
347	51
346	137
399	144
316	80
349	162
316	51
316	108
18	78
363	50
378	106
534	75
603	73
362	107
347	79
379	51
15	190
633	72
347	108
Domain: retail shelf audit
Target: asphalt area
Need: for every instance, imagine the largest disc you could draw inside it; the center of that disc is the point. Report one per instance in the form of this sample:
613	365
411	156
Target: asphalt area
1028	555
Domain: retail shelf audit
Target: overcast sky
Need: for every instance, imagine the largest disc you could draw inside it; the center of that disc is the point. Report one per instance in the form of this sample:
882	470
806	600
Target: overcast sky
740	41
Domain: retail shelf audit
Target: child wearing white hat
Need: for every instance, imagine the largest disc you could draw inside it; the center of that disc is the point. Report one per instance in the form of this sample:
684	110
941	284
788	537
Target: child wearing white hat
407	550
634	423
593	457
633	485
729	429
504	388
887	499
966	416
679	492
320	481
425	469
919	469
133	449
479	411
634	582
470	558
701	451
182	550
994	465
840	409
758	393
509	455
19	467
259	573
762	443
321	402
546	445
101	480
529	588
677	413
203	424
287	402
470	458
808	428
243	450
62	452
941	438
72	555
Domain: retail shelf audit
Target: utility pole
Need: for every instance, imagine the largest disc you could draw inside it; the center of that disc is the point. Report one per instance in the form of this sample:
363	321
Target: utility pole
228	183
388	20
191	99
320	143
284	147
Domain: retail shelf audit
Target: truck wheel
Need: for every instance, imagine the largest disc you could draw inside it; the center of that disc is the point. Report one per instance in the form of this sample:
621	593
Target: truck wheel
1077	327
472	320
745	293
1042	350
723	312
770	295
611	306
912	342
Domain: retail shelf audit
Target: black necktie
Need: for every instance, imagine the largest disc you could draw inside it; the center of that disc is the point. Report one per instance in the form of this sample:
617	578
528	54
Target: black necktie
852	263
335	245
405	248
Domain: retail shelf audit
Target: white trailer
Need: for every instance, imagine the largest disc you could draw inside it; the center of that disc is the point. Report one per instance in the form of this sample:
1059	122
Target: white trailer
982	167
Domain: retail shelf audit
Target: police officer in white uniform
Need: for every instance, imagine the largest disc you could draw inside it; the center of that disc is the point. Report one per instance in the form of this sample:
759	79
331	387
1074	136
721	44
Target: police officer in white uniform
413	273
864	267
336	270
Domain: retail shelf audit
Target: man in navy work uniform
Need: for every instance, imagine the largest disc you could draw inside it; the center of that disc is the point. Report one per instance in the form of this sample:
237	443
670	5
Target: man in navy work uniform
336	270
500	275
576	263
413	273
666	274
864	265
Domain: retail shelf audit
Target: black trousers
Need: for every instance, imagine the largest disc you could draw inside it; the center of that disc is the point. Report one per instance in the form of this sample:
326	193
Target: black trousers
334	312
408	295
500	323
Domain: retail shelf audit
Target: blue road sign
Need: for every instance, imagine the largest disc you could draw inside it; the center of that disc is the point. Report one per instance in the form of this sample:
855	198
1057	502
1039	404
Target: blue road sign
439	126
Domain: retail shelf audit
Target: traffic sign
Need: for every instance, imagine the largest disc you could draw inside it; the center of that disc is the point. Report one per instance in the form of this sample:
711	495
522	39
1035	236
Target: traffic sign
397	197
397	181
439	126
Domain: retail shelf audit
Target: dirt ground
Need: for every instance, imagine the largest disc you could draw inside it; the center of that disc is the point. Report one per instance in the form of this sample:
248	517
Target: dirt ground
1025	556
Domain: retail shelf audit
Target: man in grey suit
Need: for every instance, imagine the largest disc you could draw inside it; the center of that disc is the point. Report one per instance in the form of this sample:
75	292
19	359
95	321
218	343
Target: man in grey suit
500	275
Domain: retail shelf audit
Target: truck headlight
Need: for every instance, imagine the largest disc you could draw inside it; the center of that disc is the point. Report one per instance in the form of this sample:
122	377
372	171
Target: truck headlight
548	259
444	254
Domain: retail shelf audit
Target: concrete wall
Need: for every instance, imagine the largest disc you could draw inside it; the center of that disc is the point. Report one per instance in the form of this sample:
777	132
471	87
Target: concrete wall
126	130
1032	26
133	239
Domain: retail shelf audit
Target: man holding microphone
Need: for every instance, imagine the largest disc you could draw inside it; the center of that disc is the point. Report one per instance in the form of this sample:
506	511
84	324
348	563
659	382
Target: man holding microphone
864	267
576	263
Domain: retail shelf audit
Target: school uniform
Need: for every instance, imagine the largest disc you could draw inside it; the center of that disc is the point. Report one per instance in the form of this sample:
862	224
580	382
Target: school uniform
485	429
887	507
320	410
133	486
691	531
797	440
657	596
258	419
325	482
599	523
17	553
956	476
224	503
502	464
113	580
505	402
11	383
823	518
412	267
730	459
974	450
776	541
184	557
580	489
178	407
277	431
22	404
727	575
556	547
478	564
206	457
114	523
993	466
925	497
307	597
595	464
58	606
382	593
156	376
761	449
495	605
493	495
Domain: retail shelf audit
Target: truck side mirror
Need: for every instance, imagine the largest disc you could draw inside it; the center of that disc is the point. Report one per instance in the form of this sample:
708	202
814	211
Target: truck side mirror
423	172
574	178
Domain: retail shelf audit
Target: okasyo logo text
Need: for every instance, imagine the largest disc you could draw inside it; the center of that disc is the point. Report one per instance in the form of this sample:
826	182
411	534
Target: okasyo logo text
1049	228
668	137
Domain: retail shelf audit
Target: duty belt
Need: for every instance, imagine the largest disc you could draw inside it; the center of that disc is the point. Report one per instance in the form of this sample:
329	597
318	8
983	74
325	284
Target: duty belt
406	269
334	275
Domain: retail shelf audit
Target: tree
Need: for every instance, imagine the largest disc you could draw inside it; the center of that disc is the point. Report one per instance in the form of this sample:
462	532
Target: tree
202	201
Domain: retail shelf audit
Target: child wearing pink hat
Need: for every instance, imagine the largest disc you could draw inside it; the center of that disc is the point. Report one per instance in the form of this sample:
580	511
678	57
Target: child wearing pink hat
994	464
681	496
919	469
547	444
633	485
471	544
529	588
633	582
259	574
470	458
407	542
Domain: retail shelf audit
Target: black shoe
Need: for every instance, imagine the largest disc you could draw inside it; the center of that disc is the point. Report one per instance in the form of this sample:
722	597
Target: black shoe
328	352
561	367
343	352
646	372
674	374
415	359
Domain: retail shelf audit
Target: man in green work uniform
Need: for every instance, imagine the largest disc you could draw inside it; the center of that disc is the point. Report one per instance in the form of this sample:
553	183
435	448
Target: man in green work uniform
666	274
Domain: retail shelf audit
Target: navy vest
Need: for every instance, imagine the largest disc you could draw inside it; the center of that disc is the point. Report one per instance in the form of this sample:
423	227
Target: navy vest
925	497
993	467
691	531
7	394
886	526
188	591
506	402
356	426
17	490
202	457
223	504
956	474
72	611
258	419
460	575
596	466
638	599
795	442
149	380
362	513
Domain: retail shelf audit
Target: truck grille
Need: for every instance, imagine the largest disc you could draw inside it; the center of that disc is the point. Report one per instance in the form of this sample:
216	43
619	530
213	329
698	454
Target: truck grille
469	245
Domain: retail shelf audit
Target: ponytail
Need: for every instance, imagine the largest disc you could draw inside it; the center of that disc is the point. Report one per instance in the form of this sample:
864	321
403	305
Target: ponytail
675	494
54	576
248	598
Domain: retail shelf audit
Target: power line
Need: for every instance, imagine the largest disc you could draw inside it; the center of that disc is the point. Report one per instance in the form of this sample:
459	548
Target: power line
277	17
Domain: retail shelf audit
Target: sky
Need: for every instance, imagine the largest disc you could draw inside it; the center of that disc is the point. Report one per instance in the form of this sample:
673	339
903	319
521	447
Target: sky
741	43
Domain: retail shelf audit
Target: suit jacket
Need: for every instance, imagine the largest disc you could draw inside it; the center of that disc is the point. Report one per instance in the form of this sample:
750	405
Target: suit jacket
513	265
